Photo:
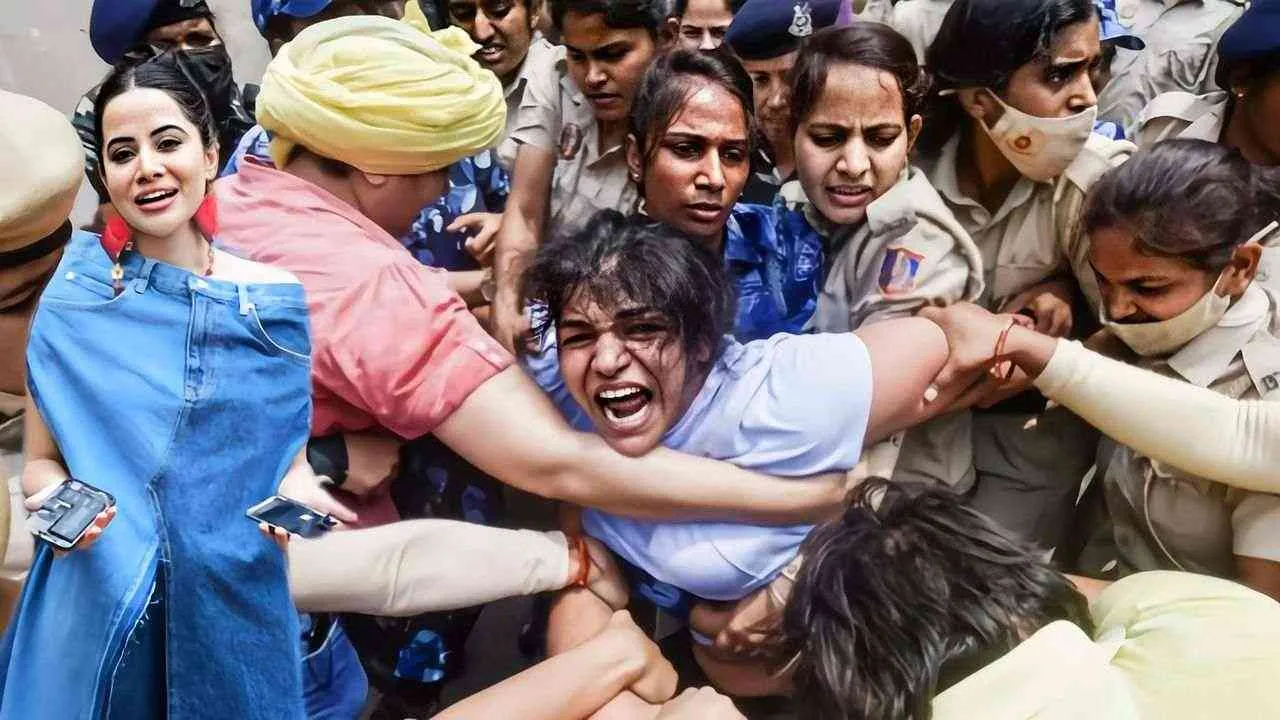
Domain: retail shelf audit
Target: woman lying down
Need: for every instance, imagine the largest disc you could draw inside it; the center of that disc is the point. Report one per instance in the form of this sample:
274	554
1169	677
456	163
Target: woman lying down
886	606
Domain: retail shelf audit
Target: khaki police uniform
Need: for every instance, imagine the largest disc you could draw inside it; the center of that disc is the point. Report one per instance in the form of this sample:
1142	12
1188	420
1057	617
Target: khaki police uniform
1181	39
910	252
918	21
1166	519
1029	464
541	61
555	116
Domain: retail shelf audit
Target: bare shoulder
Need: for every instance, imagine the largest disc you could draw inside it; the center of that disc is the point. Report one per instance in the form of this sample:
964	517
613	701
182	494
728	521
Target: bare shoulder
236	269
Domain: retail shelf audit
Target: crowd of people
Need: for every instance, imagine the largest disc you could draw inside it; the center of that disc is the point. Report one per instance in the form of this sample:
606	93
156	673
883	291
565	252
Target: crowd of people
801	358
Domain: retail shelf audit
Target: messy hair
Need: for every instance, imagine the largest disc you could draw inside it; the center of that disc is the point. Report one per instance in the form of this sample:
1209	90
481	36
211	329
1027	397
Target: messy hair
619	262
905	594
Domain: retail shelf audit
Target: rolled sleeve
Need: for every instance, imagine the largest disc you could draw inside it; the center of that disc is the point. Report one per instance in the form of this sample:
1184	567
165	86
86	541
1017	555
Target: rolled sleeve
404	348
537	120
1255	525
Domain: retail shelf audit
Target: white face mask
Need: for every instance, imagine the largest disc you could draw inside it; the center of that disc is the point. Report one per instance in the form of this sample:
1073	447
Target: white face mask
1155	339
1041	148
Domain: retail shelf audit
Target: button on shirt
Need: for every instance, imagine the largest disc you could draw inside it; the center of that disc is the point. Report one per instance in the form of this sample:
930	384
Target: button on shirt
392	345
792	405
1166	519
1181	39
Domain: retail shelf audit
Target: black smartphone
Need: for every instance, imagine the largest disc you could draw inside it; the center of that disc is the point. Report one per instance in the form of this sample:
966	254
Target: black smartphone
293	516
67	513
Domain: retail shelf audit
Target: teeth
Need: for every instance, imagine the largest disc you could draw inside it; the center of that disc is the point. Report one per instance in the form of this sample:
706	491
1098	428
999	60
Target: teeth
616	394
154	196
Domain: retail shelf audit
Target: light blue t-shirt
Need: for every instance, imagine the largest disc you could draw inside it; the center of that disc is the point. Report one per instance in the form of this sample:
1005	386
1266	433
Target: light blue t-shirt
790	405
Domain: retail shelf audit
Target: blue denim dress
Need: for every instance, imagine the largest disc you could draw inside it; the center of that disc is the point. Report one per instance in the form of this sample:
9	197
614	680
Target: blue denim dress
187	399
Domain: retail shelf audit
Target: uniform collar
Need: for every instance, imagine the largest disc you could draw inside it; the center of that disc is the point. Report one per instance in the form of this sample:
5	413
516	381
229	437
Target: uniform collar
1206	358
946	180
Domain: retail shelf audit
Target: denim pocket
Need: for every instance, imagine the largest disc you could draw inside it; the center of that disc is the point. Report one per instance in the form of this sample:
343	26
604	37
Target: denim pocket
76	289
282	329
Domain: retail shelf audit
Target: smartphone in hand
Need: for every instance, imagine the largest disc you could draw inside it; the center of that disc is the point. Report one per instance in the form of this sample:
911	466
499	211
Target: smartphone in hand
68	512
292	516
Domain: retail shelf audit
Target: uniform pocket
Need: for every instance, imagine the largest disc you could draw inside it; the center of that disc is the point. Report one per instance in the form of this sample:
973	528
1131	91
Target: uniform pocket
282	329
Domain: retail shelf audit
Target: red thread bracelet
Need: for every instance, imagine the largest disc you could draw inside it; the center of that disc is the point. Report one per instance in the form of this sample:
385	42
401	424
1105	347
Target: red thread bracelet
999	350
578	546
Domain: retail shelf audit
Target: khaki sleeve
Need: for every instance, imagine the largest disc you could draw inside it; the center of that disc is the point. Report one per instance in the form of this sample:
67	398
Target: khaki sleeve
941	275
1234	442
418	566
537	120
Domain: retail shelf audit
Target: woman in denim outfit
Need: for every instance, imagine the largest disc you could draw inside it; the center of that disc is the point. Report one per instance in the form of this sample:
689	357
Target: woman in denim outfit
155	363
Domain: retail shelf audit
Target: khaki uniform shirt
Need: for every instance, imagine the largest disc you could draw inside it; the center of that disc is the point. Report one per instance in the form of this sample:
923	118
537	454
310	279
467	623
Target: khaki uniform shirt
1034	234
918	21
911	251
1181	39
555	116
1165	519
540	62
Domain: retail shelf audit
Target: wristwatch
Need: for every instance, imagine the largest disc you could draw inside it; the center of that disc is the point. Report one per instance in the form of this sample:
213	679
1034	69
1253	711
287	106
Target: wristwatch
328	456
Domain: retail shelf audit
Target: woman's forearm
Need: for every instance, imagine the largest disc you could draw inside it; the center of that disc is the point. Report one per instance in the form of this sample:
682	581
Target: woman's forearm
509	429
1191	428
569	686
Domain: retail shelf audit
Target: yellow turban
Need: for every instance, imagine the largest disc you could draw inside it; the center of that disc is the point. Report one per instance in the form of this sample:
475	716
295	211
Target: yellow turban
381	96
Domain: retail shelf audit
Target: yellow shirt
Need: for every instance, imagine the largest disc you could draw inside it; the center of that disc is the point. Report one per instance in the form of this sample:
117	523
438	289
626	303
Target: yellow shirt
1168	646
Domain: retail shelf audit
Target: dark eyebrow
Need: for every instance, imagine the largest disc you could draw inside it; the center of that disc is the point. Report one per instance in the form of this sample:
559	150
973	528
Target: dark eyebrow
163	128
638	313
1071	65
573	323
613	47
1129	281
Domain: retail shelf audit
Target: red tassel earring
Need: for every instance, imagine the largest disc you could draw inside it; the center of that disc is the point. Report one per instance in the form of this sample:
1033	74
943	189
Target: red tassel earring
116	239
206	216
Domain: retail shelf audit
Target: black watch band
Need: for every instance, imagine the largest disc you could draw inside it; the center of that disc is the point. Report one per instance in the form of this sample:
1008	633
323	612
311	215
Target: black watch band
328	456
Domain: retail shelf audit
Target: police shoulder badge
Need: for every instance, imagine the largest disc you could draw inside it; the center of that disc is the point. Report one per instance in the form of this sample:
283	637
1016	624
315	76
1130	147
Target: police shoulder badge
801	20
898	271
570	141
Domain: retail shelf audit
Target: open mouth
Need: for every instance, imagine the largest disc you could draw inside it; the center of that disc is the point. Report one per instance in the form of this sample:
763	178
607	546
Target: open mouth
849	195
624	406
705	212
490	53
604	98
154	197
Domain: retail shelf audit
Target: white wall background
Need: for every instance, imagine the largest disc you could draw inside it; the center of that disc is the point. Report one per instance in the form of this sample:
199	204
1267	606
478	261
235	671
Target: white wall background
45	53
